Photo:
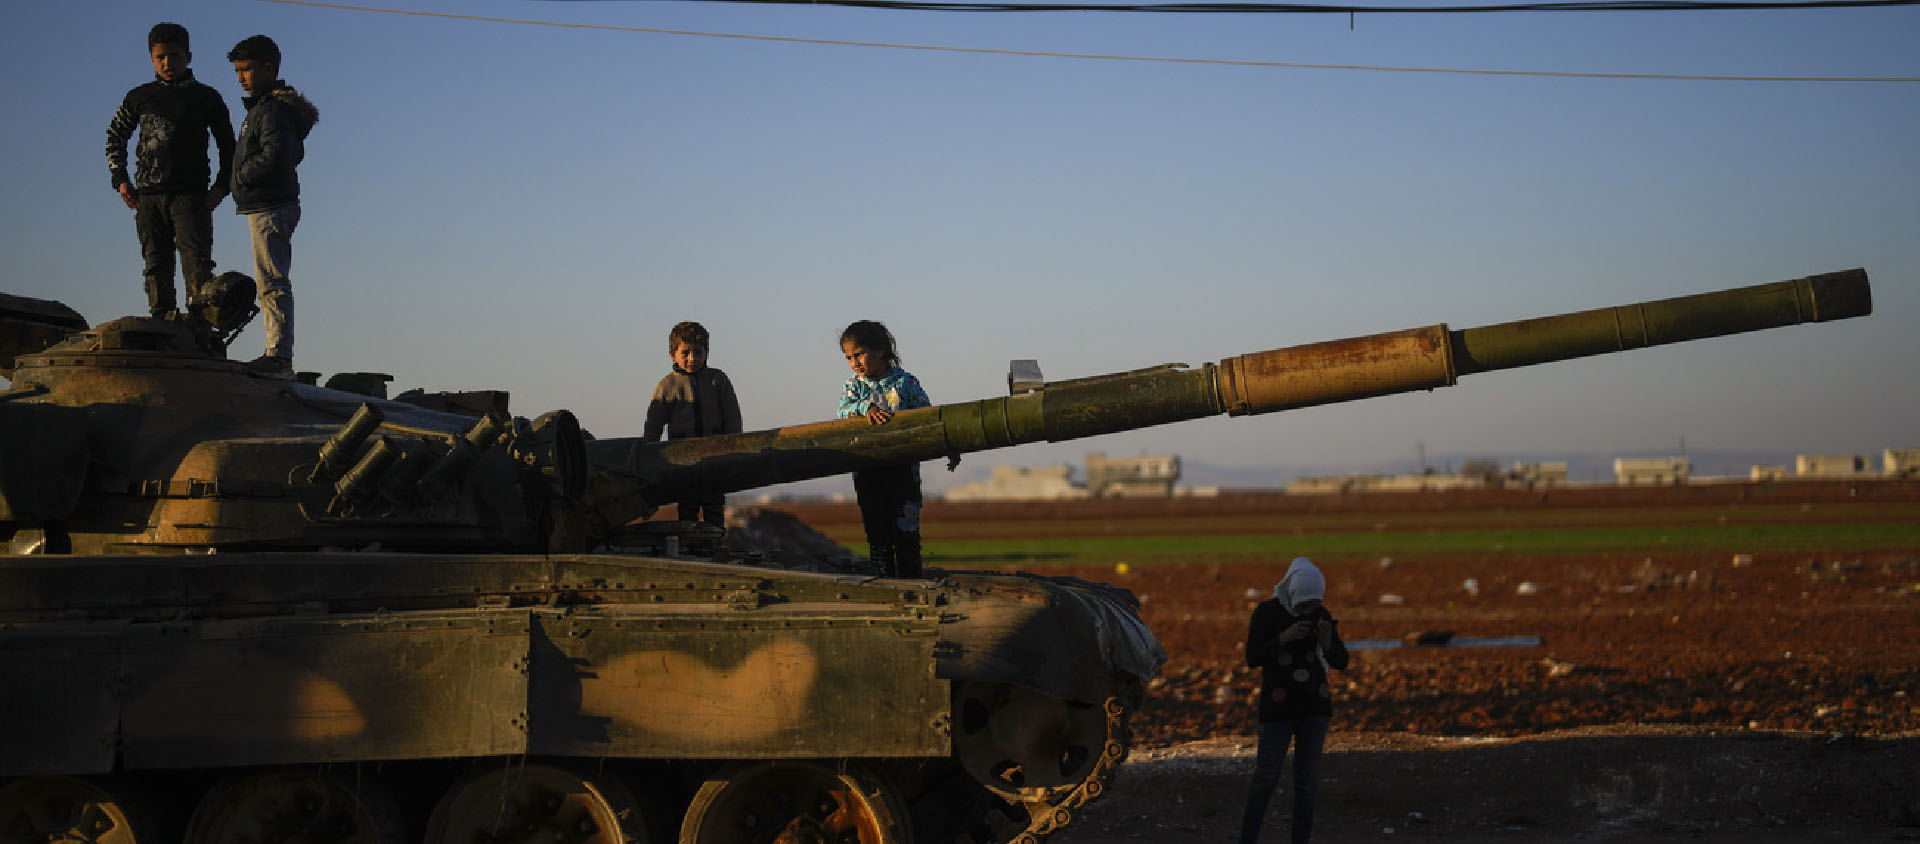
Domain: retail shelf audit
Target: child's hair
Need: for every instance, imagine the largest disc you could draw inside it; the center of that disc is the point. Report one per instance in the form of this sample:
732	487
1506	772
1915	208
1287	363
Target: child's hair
255	48
168	32
691	334
873	337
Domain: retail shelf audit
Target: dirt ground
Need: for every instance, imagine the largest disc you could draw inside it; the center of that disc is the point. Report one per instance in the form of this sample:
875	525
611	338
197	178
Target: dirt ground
1774	697
1761	698
1628	784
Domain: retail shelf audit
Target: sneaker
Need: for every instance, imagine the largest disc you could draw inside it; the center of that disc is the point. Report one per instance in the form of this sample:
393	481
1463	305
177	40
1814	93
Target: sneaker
271	366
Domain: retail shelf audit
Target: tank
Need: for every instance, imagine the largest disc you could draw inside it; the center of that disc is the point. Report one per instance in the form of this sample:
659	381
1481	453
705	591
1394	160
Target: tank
238	609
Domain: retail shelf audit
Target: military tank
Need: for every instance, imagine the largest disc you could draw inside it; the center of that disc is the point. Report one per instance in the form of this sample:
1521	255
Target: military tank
245	610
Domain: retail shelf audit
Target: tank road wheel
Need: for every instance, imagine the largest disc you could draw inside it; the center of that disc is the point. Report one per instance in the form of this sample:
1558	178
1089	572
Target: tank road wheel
1042	755
796	803
527	802
308	806
70	810
1025	744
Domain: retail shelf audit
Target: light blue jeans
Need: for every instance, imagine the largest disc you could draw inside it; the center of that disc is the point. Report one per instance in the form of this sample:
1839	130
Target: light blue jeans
272	259
1309	738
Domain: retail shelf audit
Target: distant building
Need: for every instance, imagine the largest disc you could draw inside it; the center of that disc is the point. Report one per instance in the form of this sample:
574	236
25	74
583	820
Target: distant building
1430	482
1425	483
1543	473
1830	466
1203	491
1629	471
1901	462
1020	483
1147	476
1767	473
1322	485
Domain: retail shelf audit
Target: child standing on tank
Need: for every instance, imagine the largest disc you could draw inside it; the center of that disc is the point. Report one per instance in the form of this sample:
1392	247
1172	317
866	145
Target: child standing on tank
693	400
168	190
889	497
1293	640
266	187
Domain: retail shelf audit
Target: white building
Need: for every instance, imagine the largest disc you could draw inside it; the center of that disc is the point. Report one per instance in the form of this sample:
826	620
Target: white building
1901	462
1831	466
1145	476
1020	483
1628	471
1150	476
1429	482
1543	473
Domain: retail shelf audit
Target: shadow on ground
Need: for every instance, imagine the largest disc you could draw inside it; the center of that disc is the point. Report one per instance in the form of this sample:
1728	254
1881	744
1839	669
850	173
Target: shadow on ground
1621	784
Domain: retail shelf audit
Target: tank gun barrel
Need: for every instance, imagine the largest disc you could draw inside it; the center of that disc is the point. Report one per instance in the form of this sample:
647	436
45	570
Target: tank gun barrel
1261	382
1821	298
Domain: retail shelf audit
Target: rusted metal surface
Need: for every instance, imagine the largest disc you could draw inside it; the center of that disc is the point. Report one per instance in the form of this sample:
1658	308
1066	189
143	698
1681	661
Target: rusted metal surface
1338	370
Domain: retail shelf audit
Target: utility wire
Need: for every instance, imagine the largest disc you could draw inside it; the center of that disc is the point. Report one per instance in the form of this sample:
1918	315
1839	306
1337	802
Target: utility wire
1092	56
1313	8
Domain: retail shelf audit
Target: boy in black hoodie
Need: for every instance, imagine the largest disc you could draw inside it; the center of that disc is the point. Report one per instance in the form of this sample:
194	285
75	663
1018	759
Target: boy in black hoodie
172	203
266	188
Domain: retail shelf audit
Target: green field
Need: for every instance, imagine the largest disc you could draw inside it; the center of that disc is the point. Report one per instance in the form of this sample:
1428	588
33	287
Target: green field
1828	528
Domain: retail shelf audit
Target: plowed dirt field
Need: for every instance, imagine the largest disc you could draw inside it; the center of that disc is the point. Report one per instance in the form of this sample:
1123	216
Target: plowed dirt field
1703	660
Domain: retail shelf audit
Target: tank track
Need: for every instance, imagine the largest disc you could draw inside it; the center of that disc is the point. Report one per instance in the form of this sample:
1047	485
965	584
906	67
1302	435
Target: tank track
1046	817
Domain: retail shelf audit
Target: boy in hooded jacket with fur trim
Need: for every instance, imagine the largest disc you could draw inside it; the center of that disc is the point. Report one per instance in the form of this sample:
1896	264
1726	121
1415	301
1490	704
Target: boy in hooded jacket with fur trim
266	188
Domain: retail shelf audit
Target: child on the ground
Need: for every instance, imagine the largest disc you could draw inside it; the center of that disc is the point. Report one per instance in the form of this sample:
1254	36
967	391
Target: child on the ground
266	188
889	497
168	192
694	400
1292	639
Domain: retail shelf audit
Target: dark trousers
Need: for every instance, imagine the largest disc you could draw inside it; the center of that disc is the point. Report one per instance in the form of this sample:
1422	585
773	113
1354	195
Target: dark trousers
1309	738
890	511
712	512
170	221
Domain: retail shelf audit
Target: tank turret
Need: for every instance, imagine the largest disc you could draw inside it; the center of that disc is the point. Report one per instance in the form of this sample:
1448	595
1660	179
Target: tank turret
241	608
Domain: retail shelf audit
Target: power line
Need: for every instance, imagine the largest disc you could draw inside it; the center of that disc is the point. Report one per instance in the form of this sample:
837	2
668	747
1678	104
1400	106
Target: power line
1089	56
1312	8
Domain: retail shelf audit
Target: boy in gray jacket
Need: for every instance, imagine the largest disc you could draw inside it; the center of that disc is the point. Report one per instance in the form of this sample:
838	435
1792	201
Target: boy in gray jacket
694	400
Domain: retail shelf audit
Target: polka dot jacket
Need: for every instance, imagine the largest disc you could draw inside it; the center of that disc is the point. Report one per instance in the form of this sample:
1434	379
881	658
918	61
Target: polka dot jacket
1293	677
897	390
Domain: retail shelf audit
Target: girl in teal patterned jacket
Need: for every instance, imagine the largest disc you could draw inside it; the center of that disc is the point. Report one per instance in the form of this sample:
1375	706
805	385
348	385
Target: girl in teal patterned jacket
889	497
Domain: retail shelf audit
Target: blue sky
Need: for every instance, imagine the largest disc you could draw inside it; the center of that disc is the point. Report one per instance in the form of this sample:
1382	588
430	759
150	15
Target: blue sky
497	205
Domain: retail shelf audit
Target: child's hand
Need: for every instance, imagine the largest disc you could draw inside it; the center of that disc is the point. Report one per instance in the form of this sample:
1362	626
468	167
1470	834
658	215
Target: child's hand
877	415
1300	630
126	194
